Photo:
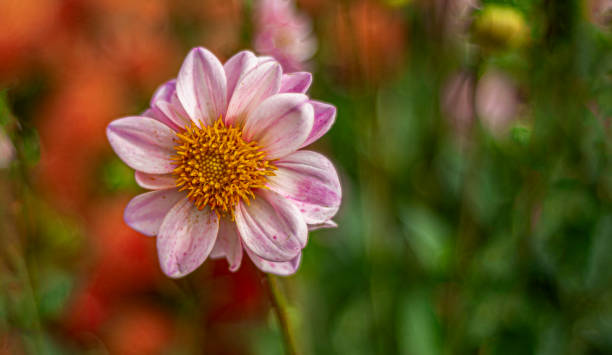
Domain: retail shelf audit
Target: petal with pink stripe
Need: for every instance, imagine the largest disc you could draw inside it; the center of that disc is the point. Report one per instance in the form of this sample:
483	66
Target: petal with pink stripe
282	268
310	181
280	124
271	226
202	87
142	143
228	244
186	238
146	212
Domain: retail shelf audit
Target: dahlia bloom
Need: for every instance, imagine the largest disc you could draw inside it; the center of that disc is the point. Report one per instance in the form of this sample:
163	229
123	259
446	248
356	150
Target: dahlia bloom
221	150
284	34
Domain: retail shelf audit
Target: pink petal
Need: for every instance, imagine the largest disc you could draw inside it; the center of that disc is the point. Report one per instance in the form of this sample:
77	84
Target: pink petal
282	268
266	59
280	124
155	181
310	181
142	143
166	107
236	66
228	244
173	113
157	115
164	92
146	212
186	237
324	225
324	117
296	82
271	226
252	88
201	86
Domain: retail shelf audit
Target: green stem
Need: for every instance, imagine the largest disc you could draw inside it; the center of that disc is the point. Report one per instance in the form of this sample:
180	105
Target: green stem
279	303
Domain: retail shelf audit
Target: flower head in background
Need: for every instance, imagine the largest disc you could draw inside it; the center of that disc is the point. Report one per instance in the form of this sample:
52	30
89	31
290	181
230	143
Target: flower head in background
221	148
600	12
7	151
284	34
497	102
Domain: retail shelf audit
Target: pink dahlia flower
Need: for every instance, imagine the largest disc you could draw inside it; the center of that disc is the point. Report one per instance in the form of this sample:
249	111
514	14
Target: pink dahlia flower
221	150
284	34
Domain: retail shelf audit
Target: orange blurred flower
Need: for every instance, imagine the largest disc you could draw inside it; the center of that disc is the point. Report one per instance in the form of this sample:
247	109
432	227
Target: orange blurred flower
369	41
24	26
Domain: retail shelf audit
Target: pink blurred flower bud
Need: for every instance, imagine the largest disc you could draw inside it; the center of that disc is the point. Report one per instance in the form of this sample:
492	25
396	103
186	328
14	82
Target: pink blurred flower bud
457	102
283	33
7	151
600	12
496	101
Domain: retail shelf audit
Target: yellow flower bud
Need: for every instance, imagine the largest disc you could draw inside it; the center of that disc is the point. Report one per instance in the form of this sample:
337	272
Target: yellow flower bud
501	27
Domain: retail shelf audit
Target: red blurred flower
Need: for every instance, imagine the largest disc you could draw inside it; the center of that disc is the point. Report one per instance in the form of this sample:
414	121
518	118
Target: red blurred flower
71	126
139	329
124	263
238	295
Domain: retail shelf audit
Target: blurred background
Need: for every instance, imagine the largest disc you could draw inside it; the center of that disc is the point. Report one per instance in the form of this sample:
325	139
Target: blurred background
473	141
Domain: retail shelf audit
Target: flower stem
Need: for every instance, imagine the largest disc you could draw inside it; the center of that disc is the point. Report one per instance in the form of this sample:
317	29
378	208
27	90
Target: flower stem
279	303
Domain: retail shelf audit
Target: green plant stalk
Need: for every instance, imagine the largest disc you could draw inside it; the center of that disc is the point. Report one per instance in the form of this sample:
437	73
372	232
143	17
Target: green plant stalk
279	303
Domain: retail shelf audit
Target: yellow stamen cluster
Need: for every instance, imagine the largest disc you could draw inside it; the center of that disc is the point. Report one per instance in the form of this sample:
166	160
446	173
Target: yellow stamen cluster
218	168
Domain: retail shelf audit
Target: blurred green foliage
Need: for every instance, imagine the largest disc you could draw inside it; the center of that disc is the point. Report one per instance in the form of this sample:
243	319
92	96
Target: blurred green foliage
500	246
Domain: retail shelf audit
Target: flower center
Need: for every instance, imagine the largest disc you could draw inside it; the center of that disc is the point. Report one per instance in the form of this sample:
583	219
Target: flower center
218	168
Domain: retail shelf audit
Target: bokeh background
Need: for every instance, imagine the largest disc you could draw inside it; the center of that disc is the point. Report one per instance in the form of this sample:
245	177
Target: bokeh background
473	140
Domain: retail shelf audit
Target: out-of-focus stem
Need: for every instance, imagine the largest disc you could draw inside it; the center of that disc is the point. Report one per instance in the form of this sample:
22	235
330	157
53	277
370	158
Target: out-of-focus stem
279	303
